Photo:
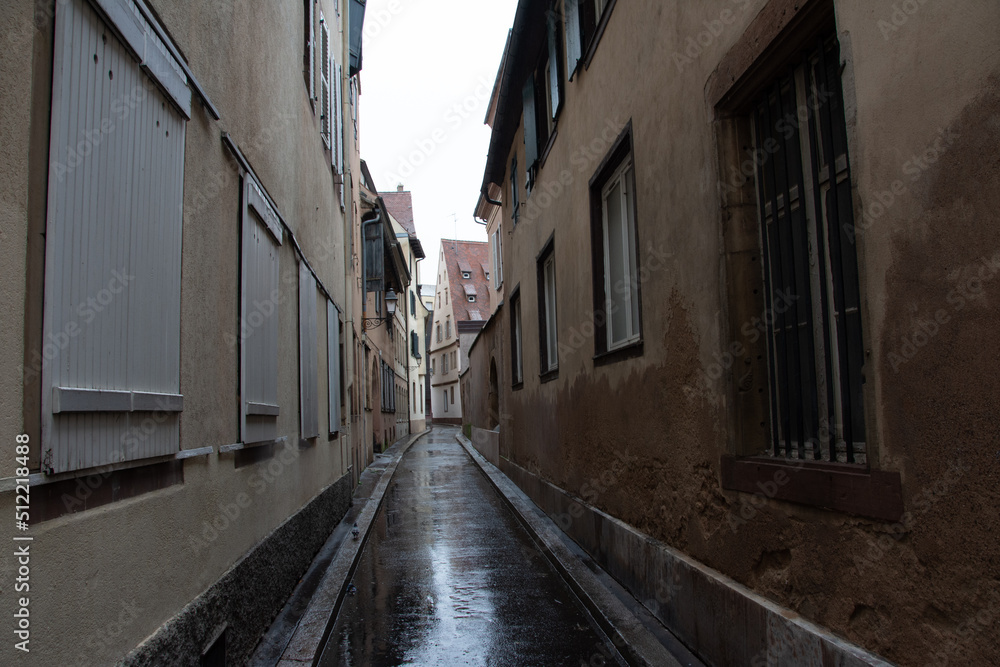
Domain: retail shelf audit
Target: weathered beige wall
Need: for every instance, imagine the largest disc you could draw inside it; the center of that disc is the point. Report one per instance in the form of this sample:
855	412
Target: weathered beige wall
15	100
905	595
104	579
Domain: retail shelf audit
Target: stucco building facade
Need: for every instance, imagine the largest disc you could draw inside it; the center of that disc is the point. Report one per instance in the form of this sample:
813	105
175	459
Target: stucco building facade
747	271
182	349
462	303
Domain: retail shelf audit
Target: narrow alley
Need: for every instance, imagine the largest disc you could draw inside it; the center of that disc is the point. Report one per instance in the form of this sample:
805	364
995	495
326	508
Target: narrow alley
448	577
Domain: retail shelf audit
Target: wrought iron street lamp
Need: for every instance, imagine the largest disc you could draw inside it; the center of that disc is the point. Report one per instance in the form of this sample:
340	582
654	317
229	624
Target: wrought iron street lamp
369	323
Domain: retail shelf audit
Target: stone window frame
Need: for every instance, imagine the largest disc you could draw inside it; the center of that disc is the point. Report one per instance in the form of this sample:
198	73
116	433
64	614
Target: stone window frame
775	38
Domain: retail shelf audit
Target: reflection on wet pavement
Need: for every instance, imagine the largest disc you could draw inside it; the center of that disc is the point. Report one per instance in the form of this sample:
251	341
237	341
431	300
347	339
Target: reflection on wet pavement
449	577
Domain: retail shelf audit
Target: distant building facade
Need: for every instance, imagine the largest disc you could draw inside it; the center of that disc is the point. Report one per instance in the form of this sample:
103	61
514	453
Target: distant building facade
462	303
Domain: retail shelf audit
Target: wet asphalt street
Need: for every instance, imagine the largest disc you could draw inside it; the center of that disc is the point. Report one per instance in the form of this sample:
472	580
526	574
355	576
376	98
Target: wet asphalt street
449	577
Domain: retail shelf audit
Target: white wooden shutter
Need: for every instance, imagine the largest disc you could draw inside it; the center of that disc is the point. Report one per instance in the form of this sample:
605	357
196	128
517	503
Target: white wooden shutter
111	331
333	364
308	354
260	305
326	103
339	117
554	82
574	47
311	56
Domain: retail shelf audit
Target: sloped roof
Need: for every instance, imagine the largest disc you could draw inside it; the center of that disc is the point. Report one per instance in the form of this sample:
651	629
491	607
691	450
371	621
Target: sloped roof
400	206
473	255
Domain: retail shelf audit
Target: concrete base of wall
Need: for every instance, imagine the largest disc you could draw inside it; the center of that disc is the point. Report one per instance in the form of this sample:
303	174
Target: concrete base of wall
454	421
723	622
487	443
249	595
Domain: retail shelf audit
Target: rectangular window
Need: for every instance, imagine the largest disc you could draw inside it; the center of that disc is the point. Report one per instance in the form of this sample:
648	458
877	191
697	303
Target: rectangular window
547	329
517	375
497	253
113	262
584	25
810	264
334	375
413	304
308	354
453	396
439	332
615	257
447	328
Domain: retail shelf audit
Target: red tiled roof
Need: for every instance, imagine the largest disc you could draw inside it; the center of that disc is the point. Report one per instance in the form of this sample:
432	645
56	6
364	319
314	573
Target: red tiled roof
400	206
474	255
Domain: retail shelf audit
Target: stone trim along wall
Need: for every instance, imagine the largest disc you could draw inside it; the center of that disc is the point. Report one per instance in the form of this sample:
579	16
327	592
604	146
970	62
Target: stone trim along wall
722	621
245	600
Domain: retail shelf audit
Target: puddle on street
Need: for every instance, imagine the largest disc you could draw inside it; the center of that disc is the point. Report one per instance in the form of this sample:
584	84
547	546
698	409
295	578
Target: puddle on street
449	577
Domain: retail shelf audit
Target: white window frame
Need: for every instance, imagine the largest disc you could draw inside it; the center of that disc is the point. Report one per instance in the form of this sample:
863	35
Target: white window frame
623	175
551	332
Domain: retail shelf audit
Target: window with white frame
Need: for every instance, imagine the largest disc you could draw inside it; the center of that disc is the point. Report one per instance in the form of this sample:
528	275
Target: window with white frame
547	330
113	264
618	321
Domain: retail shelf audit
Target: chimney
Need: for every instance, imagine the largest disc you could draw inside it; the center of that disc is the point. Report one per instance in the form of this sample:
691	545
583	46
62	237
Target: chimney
399	188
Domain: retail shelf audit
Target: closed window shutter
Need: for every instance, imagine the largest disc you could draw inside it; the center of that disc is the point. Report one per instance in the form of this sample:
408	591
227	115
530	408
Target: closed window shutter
112	304
530	127
333	364
574	47
555	81
308	354
260	303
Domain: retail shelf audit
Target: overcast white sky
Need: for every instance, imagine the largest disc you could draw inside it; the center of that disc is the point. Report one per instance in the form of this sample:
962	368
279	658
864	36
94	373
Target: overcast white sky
427	75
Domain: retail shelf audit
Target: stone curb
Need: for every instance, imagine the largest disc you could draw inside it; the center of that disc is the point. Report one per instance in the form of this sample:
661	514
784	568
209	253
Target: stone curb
316	623
635	643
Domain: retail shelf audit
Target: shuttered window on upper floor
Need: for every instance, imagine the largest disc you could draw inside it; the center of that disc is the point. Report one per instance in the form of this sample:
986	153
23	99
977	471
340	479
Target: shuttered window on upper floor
260	298
112	304
325	83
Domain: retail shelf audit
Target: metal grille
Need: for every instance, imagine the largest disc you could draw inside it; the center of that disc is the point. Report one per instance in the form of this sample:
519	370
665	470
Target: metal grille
810	265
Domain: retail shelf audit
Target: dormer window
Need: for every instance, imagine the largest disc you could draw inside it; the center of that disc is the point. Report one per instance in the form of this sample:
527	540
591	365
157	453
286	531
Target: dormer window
472	298
466	275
